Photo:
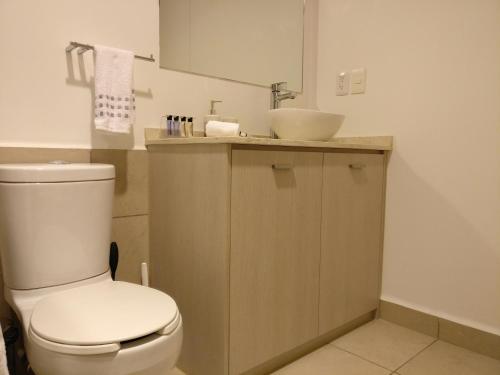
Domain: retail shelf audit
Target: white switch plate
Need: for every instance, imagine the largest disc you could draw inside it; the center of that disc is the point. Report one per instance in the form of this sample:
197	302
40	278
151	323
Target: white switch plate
342	87
358	81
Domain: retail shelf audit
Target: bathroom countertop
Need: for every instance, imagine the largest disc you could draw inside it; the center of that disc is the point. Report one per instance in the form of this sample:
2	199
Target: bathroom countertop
154	136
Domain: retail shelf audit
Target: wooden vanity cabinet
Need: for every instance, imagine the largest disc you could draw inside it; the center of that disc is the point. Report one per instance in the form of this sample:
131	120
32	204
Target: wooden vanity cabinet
351	237
189	247
275	251
264	249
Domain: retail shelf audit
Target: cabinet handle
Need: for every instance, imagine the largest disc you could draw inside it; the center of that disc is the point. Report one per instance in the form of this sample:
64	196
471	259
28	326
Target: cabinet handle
282	167
357	165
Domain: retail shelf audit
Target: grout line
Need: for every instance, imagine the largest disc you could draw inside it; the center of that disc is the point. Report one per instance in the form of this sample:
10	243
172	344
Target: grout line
133	215
364	359
417	354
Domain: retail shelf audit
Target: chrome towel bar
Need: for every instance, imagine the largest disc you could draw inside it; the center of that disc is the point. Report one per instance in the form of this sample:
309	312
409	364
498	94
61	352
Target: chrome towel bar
82	48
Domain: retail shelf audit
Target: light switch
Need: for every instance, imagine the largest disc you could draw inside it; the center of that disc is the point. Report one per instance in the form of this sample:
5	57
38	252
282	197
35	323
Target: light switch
358	81
342	84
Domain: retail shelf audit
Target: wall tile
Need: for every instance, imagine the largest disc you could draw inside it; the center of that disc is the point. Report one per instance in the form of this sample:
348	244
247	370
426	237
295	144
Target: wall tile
131	186
131	234
42	155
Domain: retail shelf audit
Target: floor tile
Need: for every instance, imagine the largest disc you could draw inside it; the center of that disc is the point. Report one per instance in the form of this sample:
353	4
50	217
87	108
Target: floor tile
331	361
442	358
384	343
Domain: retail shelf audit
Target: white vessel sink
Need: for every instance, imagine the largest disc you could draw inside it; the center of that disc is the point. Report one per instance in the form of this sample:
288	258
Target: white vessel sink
304	124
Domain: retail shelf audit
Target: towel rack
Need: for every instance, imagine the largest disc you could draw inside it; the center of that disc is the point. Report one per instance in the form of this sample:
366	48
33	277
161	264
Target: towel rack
82	48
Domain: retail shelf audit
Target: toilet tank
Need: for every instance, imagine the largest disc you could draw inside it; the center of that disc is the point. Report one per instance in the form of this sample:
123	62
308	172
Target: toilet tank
55	222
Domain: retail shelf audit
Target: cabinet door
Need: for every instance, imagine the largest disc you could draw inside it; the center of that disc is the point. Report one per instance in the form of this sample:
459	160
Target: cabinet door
351	237
189	246
275	249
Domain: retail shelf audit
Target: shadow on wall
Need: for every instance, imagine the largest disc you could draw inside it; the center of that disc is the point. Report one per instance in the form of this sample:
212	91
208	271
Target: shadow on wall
435	257
113	141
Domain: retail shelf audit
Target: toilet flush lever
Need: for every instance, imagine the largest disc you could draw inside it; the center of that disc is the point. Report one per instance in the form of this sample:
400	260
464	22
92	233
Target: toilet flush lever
113	259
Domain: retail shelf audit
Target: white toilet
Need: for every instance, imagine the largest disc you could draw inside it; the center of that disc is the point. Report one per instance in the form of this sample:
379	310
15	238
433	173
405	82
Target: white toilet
55	229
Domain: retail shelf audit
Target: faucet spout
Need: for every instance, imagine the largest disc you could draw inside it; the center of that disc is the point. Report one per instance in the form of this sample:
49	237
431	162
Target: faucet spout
287	95
279	93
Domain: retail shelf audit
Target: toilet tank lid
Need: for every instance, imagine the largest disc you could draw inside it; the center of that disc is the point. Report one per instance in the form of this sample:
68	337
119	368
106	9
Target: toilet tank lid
56	171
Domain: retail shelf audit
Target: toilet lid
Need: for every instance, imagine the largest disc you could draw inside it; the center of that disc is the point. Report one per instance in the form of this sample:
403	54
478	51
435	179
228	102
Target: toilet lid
102	313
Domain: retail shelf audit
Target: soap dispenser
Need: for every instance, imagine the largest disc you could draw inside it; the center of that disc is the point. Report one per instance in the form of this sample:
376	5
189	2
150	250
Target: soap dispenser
213	116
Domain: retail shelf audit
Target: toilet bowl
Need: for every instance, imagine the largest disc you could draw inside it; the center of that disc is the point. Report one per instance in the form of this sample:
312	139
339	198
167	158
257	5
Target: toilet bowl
55	222
63	337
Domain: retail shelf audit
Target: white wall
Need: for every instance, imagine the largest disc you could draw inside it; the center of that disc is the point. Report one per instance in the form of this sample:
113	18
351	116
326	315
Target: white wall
434	83
46	99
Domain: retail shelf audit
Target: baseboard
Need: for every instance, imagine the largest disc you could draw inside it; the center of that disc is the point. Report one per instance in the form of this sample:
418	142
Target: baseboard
454	333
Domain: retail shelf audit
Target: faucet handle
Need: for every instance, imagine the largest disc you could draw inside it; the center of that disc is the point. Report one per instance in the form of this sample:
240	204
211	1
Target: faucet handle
278	86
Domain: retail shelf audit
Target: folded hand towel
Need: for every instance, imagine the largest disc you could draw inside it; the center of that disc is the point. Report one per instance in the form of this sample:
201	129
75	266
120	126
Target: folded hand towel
114	96
222	129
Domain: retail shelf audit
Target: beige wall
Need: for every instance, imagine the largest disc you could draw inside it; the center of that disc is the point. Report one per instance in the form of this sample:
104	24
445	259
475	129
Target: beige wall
46	96
434	83
130	207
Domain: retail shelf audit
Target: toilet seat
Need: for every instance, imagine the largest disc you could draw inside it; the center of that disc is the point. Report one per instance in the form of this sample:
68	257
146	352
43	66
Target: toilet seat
97	318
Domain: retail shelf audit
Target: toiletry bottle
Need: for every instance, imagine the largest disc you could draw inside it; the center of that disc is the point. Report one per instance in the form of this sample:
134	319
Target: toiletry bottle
182	129
189	127
212	116
164	125
169	125
176	126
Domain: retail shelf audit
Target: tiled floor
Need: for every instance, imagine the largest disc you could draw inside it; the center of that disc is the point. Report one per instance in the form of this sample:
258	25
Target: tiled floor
383	348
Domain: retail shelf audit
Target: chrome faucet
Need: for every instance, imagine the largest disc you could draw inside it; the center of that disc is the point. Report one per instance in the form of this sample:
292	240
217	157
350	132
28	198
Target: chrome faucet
279	93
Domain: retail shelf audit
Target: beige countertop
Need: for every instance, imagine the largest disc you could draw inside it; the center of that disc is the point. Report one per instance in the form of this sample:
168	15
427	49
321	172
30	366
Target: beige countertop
154	136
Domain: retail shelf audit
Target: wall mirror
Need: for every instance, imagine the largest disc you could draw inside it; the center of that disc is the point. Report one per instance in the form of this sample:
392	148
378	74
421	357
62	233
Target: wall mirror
252	41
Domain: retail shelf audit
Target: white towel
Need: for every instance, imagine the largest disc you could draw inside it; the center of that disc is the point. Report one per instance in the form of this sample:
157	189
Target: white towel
3	355
222	129
114	94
